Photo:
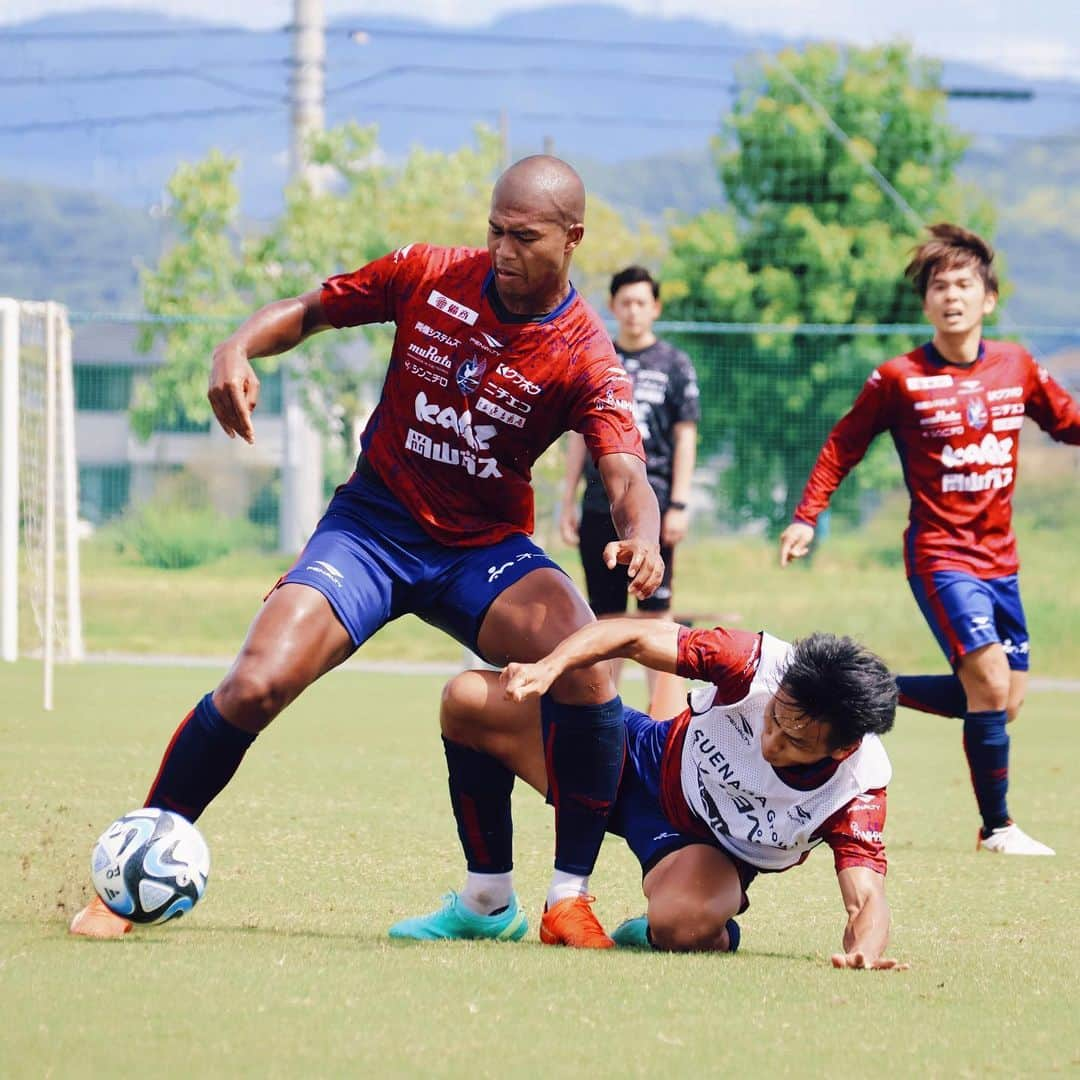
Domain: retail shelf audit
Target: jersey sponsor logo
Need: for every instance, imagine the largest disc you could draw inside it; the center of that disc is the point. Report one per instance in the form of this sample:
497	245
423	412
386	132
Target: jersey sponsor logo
976	414
935	403
500	393
1003	393
438	335
875	377
1012	409
1008	423
486	342
991	451
611	403
469	374
944	432
452	307
446	416
517	380
497	412
426	374
481	467
926	382
741	723
970	386
942	416
991	480
430	354
979	621
874	836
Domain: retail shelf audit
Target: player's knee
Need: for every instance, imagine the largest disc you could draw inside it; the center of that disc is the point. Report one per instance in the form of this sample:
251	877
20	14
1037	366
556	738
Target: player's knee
586	686
685	927
462	699
250	696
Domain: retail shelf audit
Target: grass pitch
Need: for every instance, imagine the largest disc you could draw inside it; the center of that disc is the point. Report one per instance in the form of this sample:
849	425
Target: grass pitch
338	824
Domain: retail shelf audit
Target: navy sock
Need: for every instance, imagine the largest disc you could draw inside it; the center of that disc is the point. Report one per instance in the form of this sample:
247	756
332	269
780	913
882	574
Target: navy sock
986	744
584	746
480	788
200	760
940	694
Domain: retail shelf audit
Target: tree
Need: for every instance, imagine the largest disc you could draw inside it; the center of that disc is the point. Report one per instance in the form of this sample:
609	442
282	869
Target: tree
811	235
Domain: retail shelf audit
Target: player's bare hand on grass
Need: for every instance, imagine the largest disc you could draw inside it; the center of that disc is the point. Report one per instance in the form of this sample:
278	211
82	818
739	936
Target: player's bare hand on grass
644	566
234	391
861	962
795	542
522	681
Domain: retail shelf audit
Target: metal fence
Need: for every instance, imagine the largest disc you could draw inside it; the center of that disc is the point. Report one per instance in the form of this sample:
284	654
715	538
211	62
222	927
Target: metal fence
769	395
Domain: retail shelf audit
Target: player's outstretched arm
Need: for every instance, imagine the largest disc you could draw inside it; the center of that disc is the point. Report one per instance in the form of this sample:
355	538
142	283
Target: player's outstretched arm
795	541
651	642
866	935
636	515
273	329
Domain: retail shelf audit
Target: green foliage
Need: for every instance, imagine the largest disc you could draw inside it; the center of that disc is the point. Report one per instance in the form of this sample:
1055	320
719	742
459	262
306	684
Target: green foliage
168	536
811	236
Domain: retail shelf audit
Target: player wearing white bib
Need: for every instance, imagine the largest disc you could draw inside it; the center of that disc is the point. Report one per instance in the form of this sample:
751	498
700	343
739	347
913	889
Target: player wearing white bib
780	753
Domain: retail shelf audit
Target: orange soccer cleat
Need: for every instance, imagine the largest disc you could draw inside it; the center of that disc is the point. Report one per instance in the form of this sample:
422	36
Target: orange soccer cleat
97	921
572	922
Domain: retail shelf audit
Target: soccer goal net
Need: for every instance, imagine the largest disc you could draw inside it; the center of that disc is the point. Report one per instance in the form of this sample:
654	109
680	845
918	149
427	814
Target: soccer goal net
39	553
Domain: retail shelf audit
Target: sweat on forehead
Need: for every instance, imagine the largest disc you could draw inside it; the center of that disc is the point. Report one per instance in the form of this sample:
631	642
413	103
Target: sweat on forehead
542	185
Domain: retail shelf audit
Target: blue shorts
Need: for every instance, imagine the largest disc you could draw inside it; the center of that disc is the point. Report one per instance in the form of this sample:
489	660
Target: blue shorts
637	816
965	613
373	562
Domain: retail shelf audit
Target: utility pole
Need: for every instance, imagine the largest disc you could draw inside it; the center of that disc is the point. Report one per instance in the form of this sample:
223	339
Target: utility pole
504	140
301	446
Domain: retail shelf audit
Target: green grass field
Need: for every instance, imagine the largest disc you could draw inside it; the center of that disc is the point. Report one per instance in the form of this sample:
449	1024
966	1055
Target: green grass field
338	824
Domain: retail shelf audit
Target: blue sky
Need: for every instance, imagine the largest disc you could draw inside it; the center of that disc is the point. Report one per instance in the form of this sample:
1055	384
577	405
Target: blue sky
1034	38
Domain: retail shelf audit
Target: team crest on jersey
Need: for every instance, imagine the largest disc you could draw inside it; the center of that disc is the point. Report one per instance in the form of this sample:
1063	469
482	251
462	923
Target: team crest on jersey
469	374
976	413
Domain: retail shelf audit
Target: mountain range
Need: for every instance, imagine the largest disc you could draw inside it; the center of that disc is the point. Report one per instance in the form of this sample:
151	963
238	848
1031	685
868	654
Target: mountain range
632	100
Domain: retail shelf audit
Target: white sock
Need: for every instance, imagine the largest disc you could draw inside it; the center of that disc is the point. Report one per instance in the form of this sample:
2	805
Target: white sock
565	885
484	894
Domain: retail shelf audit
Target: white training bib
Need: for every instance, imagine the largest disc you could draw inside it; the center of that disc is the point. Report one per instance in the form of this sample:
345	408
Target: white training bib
732	788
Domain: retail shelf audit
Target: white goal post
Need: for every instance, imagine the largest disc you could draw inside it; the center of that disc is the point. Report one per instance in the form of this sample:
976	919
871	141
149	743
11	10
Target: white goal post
38	487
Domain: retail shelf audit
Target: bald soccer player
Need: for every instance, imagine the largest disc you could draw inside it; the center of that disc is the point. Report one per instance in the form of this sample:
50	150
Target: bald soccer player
494	357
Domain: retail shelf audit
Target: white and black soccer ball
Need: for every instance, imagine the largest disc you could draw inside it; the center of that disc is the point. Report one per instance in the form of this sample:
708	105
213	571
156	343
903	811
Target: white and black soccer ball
150	865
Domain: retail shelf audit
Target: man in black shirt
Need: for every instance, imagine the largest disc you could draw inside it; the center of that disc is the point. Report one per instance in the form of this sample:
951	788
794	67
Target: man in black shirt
666	411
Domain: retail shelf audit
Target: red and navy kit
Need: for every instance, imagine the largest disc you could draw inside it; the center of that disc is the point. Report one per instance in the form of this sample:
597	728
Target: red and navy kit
471	397
957	431
651	812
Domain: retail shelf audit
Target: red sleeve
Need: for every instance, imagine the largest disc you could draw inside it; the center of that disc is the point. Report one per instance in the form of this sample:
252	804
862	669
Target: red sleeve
603	407
370	294
727	658
856	833
1051	407
845	447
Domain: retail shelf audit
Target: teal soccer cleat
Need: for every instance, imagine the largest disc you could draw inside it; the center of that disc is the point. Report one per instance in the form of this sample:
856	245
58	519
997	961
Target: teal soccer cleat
455	922
634	934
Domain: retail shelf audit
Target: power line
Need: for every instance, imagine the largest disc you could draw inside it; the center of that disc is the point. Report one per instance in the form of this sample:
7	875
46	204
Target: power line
16	36
32	126
53	78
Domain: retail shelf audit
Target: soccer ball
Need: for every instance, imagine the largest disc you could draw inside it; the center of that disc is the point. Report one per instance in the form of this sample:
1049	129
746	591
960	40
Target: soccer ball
150	865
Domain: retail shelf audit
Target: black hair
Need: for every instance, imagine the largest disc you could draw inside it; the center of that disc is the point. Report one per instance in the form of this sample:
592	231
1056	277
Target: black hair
631	276
951	246
837	681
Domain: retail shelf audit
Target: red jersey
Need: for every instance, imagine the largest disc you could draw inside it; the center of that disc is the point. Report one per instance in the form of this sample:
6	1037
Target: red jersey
735	662
472	397
957	431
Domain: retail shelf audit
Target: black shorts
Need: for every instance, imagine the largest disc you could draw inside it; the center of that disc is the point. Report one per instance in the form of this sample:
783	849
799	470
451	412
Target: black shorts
607	588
